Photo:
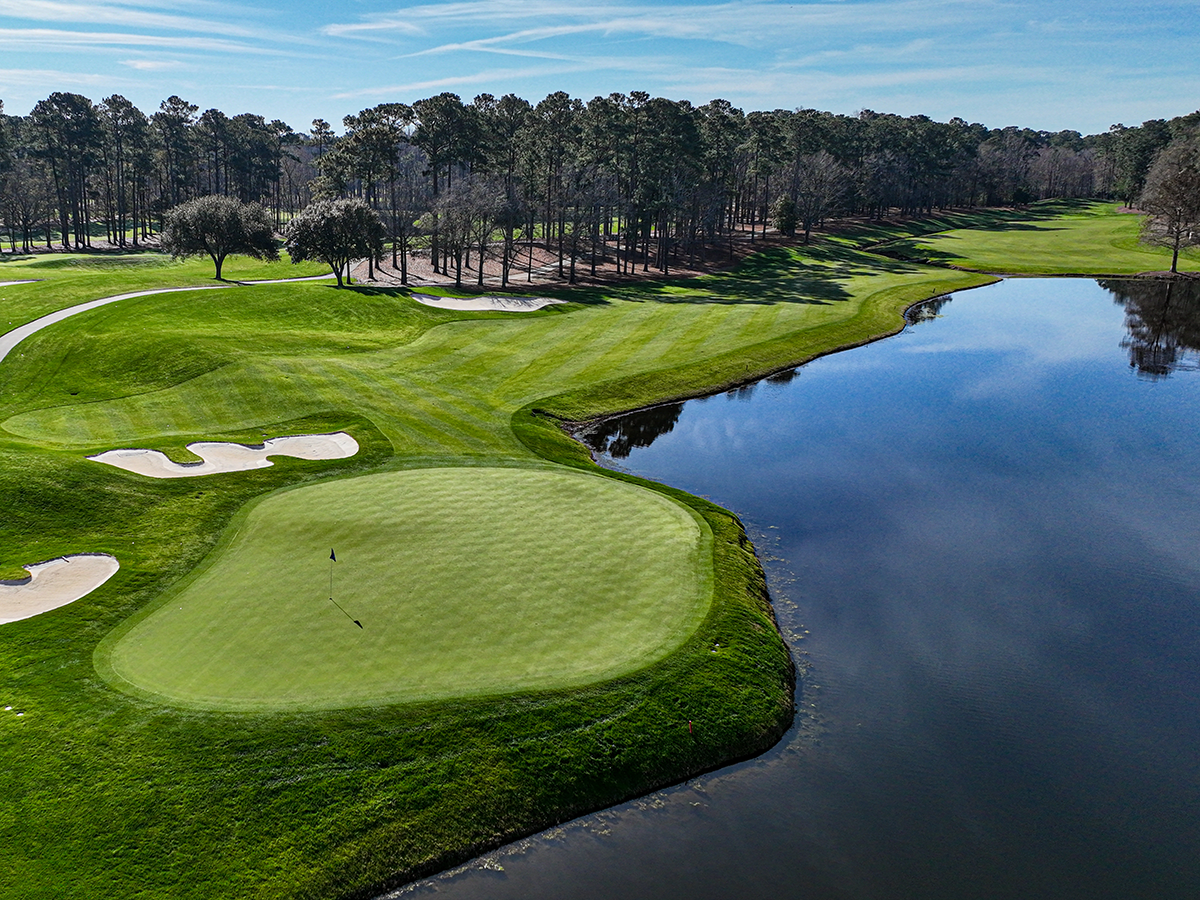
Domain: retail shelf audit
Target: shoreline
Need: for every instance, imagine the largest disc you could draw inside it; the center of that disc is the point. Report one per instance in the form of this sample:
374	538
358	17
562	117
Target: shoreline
750	750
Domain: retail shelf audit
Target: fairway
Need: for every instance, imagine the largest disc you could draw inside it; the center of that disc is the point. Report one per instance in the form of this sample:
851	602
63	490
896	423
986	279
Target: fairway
467	581
1093	239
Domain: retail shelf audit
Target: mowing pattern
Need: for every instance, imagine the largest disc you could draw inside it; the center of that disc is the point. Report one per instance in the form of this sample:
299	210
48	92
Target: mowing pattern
1092	240
452	391
466	582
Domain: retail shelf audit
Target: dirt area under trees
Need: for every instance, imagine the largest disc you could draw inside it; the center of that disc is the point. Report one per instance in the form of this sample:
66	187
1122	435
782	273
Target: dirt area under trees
543	265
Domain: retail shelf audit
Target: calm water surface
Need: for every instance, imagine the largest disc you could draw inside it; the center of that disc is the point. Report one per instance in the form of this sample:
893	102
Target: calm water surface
983	539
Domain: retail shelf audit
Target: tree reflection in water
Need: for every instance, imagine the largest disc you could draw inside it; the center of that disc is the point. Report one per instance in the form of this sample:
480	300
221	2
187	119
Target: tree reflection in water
620	435
926	311
1163	323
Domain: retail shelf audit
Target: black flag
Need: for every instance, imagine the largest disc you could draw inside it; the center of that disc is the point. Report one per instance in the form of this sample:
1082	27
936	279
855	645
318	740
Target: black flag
331	556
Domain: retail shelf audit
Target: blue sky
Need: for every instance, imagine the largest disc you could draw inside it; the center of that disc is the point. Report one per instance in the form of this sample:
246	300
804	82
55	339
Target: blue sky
1052	65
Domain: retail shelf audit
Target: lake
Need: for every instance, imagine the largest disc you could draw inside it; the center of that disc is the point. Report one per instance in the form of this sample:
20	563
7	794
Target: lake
983	541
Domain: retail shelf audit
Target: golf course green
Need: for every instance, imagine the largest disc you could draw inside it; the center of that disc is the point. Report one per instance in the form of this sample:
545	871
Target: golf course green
466	581
540	637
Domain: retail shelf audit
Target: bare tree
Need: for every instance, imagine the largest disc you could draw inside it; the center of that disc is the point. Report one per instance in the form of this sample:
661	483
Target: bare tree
820	181
27	202
1171	199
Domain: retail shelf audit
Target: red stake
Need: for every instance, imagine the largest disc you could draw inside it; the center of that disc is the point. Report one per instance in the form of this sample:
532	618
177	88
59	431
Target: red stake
689	726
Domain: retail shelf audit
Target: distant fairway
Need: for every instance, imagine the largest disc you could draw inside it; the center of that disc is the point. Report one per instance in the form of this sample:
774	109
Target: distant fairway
1092	239
468	581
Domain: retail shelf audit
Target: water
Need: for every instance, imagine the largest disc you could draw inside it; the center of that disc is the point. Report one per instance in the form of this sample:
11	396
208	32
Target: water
983	540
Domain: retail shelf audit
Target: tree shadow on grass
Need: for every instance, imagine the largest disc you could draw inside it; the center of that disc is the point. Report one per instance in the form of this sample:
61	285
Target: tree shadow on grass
813	275
875	234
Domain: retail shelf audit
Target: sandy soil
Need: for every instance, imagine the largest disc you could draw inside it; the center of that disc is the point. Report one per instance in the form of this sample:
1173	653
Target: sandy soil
487	302
54	583
539	265
221	457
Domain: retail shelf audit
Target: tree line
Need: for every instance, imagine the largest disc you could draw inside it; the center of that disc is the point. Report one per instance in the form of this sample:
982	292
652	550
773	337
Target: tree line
645	181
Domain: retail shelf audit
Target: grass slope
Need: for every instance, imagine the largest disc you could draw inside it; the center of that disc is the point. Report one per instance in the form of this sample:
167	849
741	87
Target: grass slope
64	279
117	795
467	581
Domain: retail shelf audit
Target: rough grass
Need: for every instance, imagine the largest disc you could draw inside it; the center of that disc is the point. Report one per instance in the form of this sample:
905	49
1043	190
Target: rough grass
108	794
467	582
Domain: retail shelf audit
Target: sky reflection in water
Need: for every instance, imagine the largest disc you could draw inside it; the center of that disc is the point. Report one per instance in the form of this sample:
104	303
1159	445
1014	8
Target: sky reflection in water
989	525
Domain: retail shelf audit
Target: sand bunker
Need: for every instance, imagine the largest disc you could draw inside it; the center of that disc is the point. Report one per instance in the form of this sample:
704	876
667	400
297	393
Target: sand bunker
54	583
503	303
223	457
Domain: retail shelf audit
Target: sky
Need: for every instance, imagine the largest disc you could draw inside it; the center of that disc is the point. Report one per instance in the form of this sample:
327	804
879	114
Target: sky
1044	64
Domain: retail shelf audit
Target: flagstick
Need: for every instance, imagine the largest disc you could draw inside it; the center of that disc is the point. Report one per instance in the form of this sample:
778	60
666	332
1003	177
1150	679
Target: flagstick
346	614
333	559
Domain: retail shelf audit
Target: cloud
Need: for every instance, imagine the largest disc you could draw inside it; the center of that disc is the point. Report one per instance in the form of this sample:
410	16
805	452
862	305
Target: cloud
447	81
39	78
746	23
377	27
151	65
49	38
108	14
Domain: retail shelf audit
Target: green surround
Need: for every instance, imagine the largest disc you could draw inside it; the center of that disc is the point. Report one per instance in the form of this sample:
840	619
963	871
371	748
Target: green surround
467	582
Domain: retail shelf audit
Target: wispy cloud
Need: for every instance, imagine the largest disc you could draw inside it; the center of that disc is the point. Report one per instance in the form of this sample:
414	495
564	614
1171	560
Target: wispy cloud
743	22
151	65
40	78
492	77
49	38
108	14
1026	61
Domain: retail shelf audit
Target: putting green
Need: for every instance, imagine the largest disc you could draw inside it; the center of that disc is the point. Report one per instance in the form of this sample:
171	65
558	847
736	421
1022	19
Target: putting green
467	581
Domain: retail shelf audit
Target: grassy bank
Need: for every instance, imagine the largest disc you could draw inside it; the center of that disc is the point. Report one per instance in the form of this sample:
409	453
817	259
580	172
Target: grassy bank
118	794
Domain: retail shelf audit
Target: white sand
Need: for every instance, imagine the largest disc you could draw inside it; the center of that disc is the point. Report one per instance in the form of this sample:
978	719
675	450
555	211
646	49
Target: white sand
54	583
501	302
26	281
223	457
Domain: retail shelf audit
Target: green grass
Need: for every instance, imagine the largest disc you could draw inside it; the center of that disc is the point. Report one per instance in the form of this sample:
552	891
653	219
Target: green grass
121	793
1088	239
467	581
65	279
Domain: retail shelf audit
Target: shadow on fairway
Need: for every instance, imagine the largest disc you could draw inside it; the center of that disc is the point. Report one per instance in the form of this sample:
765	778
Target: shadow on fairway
875	234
